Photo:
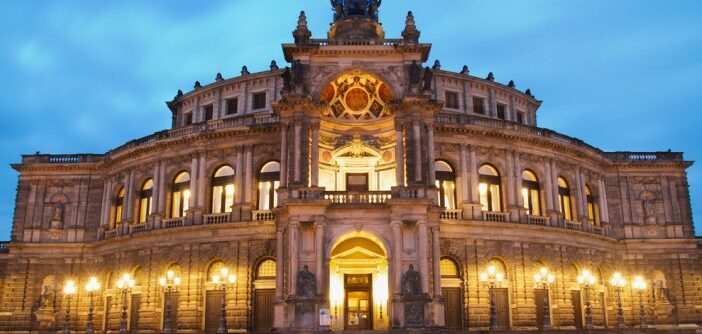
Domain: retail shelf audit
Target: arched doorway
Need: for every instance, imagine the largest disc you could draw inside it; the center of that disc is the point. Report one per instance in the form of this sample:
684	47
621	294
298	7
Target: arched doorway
264	295
358	287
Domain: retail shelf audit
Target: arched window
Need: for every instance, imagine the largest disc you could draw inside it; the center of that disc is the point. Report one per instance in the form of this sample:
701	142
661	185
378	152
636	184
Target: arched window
266	269
564	199
268	182
530	193
119	208
448	268
593	207
489	188
181	195
223	190
446	183
145	199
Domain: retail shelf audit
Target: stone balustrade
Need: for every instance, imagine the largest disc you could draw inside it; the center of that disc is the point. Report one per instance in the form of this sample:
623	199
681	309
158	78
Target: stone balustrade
352	197
217	218
573	225
490	216
452	214
3	247
538	220
173	222
262	215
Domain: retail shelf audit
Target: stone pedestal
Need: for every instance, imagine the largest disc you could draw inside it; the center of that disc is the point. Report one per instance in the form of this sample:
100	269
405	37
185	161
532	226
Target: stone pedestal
46	317
416	311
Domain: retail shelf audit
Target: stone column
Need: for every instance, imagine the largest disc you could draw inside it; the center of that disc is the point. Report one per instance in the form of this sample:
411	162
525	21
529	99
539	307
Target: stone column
161	205
284	154
106	195
201	182
417	151
297	157
314	153
547	189
422	254
248	181
397	258
492	103
294	256
319	248
554	193
509	181
399	155
129	199
279	265
430	153
518	180
193	182
464	184
604	210
436	258
581	205
239	175
474	177
157	188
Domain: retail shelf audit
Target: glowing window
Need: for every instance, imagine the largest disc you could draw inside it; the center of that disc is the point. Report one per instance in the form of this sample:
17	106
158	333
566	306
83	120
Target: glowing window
181	195
448	268
223	190
119	208
530	193
446	183
266	269
489	188
564	199
268	182
145	200
593	207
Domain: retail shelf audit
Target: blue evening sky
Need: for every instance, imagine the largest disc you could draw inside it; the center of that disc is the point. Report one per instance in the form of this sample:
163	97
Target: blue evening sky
86	76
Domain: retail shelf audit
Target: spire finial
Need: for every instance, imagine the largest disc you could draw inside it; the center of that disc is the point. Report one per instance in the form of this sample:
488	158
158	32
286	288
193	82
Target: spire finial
302	34
410	34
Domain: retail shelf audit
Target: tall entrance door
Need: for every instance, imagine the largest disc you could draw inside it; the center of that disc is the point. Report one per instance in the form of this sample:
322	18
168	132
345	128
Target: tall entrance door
577	309
540	296
358	308
263	310
502	307
213	303
357	182
134	311
452	308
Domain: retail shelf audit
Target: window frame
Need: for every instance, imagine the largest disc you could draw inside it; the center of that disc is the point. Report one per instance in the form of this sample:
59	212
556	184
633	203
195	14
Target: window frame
255	95
565	199
501	108
146	197
234	100
208	112
531	187
222	181
593	207
478	106
119	207
271	178
440	177
451	100
180	187
491	180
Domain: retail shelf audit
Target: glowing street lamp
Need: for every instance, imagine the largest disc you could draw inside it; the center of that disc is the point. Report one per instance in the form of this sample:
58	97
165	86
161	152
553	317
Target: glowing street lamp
543	280
68	290
221	281
169	284
639	284
92	287
618	283
492	278
124	285
586	280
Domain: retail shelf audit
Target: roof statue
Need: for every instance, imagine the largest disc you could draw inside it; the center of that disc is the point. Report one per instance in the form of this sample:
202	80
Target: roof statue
346	8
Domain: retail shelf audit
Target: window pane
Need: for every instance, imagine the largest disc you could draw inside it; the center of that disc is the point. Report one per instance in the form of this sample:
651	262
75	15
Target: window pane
535	203
142	210
217	199
263	191
175	208
483	189
229	197
266	269
496	200
448	268
449	198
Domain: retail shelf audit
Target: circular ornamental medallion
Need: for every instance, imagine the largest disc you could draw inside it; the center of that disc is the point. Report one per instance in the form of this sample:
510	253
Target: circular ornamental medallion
357	99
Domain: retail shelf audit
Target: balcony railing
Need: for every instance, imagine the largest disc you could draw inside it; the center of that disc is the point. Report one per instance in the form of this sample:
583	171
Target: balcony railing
490	216
3	247
137	228
353	197
452	214
173	222
573	225
216	218
263	215
538	220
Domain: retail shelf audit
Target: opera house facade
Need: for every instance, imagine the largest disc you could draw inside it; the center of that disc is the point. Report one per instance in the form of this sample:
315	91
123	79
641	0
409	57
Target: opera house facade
357	189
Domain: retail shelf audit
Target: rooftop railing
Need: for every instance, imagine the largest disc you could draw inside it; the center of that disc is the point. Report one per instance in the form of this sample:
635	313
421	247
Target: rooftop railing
3	247
347	42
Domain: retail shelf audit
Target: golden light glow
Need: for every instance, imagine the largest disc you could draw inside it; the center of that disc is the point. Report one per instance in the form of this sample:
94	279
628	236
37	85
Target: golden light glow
229	189
586	278
639	283
70	287
544	276
617	280
92	285
126	281
483	188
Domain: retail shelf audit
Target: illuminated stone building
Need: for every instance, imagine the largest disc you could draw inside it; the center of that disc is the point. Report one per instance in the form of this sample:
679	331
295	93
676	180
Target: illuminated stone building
355	190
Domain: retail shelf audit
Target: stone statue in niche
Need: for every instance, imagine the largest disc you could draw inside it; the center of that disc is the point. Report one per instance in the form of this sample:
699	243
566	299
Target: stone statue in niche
287	79
411	282
306	284
47	297
428	78
58	212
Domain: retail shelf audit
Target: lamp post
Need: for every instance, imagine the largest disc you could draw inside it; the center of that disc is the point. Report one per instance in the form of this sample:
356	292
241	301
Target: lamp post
68	290
169	284
618	283
586	280
543	280
639	284
124	285
492	278
221	282
92	286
